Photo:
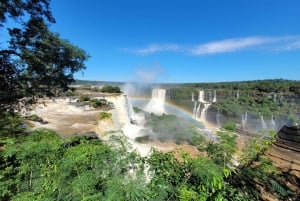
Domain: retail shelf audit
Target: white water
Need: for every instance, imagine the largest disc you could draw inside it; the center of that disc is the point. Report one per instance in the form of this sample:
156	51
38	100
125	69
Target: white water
273	123
198	111
263	123
201	96
195	109
193	98
237	94
203	111
121	118
130	111
156	104
215	96
244	120
218	119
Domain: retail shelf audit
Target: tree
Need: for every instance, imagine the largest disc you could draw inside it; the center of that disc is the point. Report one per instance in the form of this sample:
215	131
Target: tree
36	62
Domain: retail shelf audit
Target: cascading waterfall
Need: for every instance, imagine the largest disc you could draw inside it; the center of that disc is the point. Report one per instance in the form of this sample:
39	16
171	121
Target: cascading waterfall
193	98
195	109
237	94
273	123
263	123
274	97
130	109
244	120
203	111
156	104
218	119
201	96
198	110
215	96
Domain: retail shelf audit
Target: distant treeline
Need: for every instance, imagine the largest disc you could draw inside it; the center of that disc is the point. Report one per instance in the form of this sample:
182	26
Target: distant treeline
93	83
266	86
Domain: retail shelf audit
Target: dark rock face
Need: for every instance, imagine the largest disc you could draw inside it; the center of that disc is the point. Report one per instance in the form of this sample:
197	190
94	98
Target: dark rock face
289	138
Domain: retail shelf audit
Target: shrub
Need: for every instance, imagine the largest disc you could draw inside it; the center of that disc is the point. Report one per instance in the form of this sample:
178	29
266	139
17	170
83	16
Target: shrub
104	115
84	98
111	89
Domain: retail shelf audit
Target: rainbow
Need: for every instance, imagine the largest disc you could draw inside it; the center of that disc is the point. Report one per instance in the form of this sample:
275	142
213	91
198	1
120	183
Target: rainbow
172	105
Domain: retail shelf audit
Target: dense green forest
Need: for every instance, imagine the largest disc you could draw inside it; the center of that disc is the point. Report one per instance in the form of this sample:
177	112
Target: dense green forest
277	98
40	165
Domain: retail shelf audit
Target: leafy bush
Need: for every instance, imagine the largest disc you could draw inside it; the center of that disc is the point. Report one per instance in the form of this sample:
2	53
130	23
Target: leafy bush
104	115
84	98
111	89
34	117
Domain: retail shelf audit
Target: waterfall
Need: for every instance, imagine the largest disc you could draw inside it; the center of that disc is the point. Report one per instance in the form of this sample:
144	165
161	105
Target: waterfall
195	109
244	120
201	96
193	98
263	123
157	102
215	96
273	123
218	119
203	111
209	96
237	94
198	111
274	97
130	109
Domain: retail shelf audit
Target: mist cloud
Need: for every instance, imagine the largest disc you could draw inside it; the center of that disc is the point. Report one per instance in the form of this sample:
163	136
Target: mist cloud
149	74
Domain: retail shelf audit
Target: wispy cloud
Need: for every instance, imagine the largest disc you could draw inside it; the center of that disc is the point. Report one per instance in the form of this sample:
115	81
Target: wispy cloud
149	74
229	45
278	44
154	48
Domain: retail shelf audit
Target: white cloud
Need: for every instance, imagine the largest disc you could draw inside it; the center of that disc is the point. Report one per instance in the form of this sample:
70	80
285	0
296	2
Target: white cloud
154	48
229	45
294	45
283	43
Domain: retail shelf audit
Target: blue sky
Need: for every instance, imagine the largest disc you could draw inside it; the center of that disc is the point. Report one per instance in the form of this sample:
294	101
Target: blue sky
183	41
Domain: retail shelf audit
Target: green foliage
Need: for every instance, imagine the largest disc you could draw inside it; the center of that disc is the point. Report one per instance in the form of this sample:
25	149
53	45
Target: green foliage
42	166
104	115
222	152
171	127
110	89
97	103
37	62
83	98
230	126
137	110
256	172
11	125
34	117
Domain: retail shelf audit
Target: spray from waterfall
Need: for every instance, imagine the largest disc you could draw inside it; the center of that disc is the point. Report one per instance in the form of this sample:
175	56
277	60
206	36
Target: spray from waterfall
263	123
215	96
273	123
130	109
195	109
198	111
203	111
201	96
156	104
244	120
218	119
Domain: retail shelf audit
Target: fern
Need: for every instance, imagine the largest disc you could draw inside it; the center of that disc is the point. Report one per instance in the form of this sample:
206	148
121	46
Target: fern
279	189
